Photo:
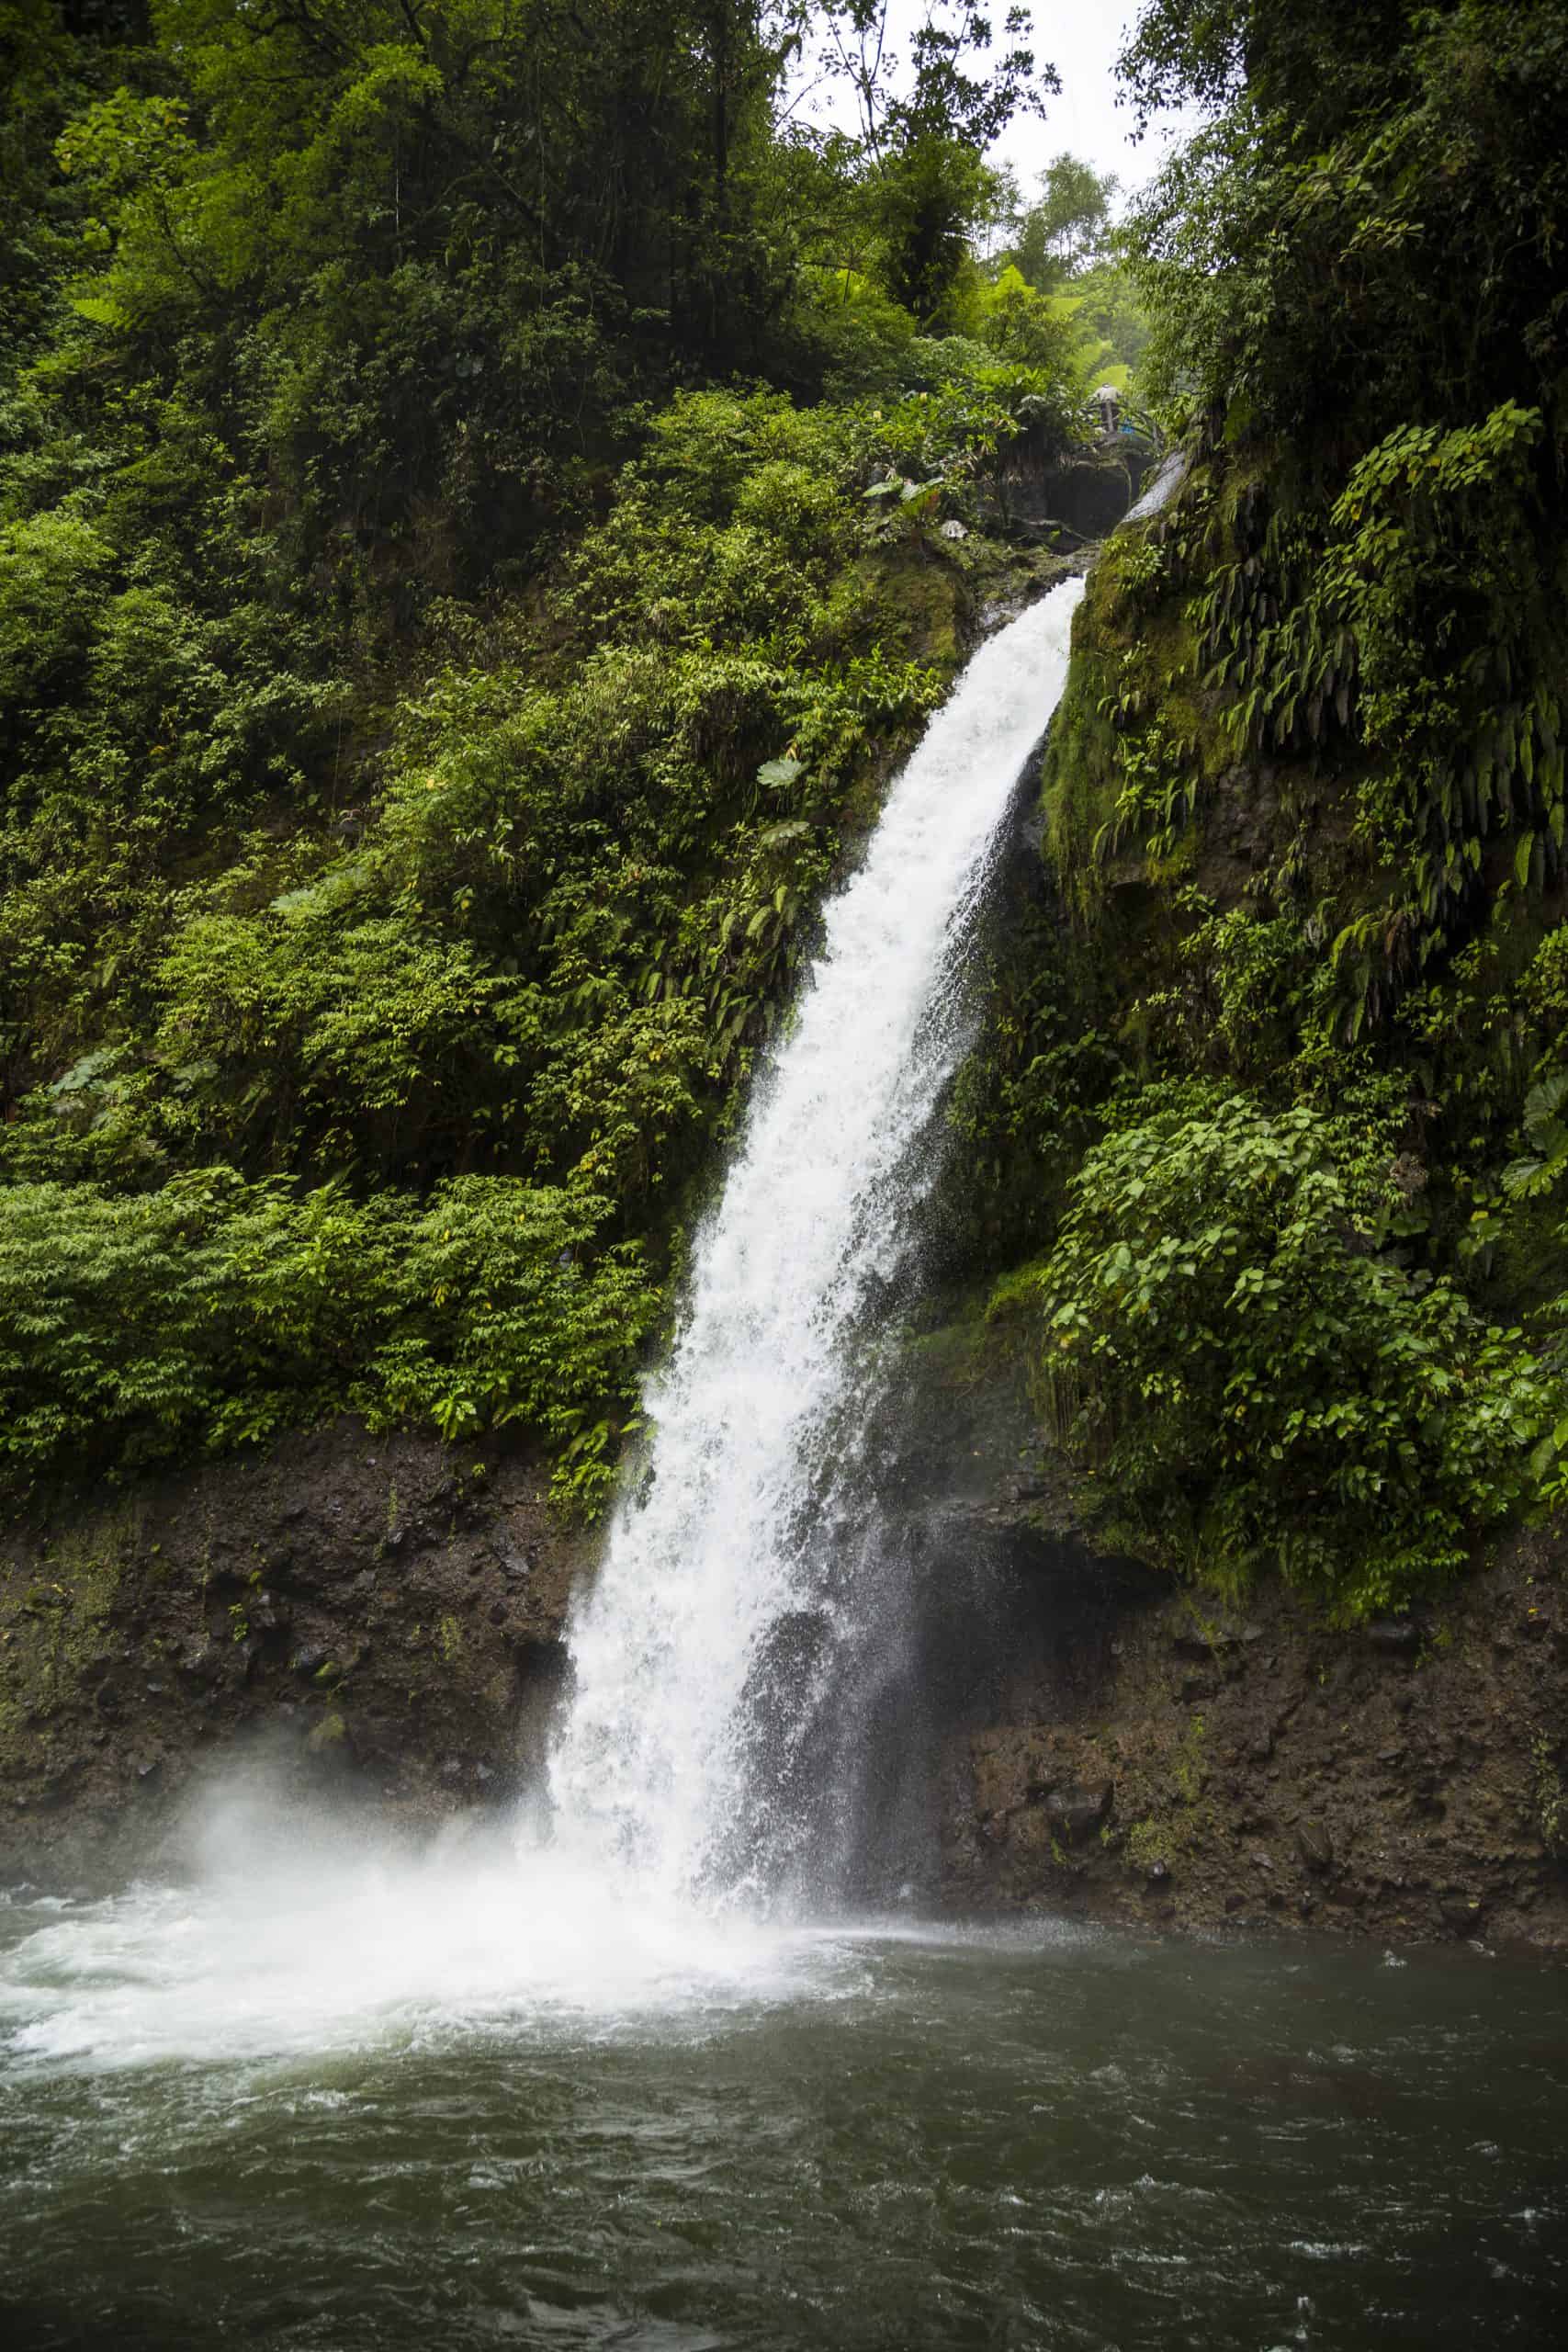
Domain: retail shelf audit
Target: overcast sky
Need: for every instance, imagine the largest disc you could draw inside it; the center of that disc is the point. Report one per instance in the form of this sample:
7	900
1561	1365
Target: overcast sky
1082	40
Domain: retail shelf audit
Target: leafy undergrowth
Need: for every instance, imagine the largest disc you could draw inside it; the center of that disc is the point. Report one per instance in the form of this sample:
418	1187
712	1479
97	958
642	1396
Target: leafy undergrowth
1293	1263
471	494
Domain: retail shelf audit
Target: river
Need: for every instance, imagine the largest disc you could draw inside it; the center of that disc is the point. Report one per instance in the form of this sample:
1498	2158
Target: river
454	2103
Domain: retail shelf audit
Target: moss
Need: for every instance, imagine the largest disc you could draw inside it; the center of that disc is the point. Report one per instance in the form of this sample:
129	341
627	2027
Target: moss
1146	1845
1116	657
913	602
1550	1797
55	1634
1188	1769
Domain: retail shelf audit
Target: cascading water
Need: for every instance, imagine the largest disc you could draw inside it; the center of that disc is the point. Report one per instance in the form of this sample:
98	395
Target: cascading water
742	1651
702	1651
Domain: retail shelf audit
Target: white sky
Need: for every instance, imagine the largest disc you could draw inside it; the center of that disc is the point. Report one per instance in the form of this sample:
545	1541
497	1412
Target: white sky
1082	38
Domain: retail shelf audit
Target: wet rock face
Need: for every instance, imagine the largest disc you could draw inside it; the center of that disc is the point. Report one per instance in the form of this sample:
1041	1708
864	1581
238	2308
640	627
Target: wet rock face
1405	1780
386	1610
1089	494
1130	1750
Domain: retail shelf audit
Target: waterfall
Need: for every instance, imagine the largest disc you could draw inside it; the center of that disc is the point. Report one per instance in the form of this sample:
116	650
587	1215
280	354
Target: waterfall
704	1649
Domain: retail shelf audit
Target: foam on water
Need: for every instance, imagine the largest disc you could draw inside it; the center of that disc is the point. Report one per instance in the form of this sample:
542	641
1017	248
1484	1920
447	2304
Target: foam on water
296	1939
344	1941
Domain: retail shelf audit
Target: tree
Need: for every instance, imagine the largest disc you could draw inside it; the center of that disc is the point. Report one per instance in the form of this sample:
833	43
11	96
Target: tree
926	137
1068	228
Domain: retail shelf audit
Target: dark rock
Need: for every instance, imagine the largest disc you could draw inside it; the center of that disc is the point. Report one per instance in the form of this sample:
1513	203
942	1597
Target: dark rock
1395	1636
516	1562
1077	1810
1314	1845
1194	1641
203	1661
1088	495
309	1515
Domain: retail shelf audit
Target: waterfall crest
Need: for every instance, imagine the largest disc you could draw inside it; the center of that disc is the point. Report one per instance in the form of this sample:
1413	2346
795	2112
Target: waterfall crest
701	1649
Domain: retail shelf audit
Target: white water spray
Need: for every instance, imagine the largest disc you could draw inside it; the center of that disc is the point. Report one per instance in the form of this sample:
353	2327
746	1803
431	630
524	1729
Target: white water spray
682	1649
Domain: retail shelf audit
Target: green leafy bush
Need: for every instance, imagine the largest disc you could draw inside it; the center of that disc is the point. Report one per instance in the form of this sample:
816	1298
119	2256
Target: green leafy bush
1256	1383
212	1313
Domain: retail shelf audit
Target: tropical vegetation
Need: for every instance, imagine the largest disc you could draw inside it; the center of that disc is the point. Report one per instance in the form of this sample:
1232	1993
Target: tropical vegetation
1298	1298
487	494
471	489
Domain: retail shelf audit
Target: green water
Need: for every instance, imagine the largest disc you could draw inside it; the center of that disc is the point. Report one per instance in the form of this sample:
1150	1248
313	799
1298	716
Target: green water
824	2139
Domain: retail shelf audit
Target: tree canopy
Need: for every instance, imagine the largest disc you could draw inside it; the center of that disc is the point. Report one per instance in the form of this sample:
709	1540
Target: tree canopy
443	628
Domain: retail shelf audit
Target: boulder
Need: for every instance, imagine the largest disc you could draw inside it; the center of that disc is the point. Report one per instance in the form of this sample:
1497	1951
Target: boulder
1314	1845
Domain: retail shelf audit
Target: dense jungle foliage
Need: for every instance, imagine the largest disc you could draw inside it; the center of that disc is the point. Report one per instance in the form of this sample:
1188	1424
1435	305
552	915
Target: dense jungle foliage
1296	1075
470	487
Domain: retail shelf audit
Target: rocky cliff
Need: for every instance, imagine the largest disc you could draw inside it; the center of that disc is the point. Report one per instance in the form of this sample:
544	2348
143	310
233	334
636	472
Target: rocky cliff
1180	1764
382	1614
382	1618
385	1613
1105	1741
